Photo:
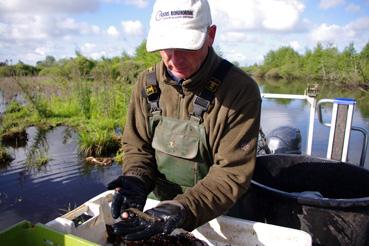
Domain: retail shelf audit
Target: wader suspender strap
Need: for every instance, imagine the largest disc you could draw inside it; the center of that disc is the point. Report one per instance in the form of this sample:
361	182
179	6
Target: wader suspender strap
153	92
202	102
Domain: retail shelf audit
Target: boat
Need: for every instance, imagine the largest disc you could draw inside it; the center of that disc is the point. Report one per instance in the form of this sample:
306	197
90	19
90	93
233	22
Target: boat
276	216
326	197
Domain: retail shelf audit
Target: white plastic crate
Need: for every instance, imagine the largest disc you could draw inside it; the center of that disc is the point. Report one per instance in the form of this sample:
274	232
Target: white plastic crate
221	231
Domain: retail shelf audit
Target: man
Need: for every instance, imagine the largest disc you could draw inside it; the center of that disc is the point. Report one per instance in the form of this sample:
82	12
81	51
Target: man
191	129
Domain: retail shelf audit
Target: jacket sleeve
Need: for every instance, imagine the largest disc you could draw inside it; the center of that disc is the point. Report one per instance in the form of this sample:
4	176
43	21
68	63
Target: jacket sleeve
233	141
138	159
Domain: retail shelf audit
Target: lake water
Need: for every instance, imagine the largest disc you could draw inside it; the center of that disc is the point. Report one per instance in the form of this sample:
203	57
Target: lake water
295	113
42	194
66	181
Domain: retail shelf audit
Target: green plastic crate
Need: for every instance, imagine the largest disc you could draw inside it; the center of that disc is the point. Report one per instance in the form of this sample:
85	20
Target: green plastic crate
26	234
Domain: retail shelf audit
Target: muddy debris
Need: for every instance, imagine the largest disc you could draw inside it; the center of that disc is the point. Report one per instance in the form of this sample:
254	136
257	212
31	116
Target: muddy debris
181	239
100	161
15	138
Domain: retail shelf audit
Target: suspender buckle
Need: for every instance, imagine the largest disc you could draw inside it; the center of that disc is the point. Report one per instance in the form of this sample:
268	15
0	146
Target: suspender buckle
152	92
202	102
151	89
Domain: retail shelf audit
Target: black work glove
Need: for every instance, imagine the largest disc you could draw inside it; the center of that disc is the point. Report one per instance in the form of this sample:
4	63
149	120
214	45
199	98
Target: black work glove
131	192
164	218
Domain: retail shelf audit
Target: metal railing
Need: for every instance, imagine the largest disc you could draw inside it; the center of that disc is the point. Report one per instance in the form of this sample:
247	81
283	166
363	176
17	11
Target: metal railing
311	99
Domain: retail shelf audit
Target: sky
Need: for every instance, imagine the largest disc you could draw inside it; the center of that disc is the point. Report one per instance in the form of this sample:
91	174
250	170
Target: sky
246	29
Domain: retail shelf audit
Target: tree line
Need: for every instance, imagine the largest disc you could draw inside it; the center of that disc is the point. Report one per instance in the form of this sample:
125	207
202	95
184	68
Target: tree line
347	68
124	67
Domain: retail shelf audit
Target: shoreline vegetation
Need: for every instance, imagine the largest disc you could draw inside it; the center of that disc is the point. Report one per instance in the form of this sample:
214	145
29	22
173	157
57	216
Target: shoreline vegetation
349	68
92	96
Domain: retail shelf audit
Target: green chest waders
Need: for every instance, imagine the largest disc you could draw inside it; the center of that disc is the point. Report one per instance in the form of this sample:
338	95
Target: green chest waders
181	147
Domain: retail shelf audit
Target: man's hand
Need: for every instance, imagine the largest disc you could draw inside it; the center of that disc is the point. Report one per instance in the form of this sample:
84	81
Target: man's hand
130	192
164	218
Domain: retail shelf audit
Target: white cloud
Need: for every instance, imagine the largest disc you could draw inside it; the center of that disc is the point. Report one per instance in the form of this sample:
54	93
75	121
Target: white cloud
353	30
361	24
295	45
42	51
330	33
30	30
137	3
236	55
134	28
33	52
92	50
32	27
352	8
233	37
327	4
18	28
70	25
280	15
97	55
112	31
269	15
357	30
48	6
88	47
247	30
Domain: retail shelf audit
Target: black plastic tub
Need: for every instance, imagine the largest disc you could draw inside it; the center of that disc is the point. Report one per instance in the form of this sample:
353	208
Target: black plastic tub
328	199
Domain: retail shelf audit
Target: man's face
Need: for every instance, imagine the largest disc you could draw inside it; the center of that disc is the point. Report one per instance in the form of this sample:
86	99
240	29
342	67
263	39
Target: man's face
184	63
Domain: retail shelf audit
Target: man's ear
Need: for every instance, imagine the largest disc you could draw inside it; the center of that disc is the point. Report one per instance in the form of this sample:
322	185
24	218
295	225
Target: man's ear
211	35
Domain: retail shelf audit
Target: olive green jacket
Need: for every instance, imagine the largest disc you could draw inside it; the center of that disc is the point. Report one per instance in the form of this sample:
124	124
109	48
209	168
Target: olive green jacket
231	123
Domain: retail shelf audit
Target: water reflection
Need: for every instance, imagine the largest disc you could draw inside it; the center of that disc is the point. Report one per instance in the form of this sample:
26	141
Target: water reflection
41	193
6	98
326	90
295	113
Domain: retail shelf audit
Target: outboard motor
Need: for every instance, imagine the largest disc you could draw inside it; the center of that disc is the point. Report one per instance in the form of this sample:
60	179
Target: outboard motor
285	139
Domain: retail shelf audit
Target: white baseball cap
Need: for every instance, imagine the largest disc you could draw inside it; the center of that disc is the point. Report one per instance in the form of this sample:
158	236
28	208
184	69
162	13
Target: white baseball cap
178	24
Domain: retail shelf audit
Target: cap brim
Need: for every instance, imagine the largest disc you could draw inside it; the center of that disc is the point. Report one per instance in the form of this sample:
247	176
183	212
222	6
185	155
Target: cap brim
175	39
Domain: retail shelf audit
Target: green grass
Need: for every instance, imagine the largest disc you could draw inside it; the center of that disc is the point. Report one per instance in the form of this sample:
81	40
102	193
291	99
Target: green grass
97	137
37	158
94	108
5	157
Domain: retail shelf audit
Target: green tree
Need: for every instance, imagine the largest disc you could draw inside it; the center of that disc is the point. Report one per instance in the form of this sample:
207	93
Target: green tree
22	69
148	59
84	64
48	62
347	65
321	63
284	62
7	71
364	64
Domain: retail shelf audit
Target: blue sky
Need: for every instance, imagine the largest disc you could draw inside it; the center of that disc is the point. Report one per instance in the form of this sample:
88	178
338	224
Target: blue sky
247	30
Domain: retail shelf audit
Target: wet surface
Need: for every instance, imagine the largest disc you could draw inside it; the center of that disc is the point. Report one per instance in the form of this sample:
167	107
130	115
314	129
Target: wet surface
180	239
40	194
